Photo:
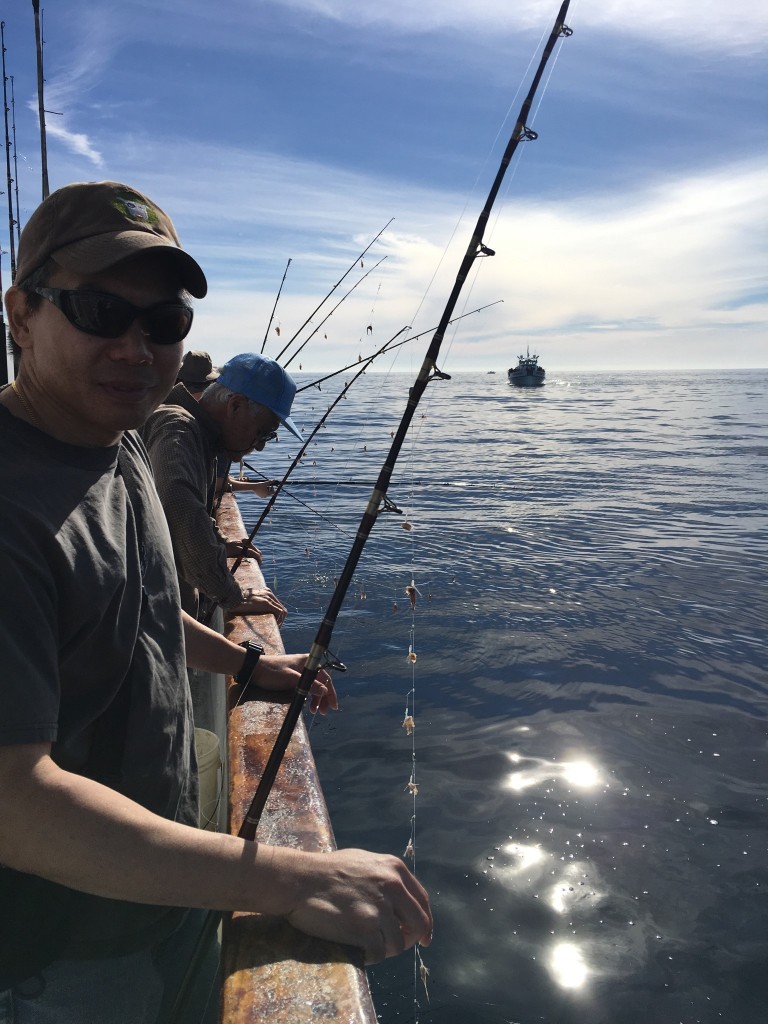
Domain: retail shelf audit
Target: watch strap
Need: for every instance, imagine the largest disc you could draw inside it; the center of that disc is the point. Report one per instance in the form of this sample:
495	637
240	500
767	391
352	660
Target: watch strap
253	652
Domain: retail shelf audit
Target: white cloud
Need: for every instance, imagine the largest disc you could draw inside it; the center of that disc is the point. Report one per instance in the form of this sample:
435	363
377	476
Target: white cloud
654	276
71	79
78	142
741	25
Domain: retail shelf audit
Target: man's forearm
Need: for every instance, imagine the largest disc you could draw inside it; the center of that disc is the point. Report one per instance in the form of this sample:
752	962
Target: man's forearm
208	650
74	831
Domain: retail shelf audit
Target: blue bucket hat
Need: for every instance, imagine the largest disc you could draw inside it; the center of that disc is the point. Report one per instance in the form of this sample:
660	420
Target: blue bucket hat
263	381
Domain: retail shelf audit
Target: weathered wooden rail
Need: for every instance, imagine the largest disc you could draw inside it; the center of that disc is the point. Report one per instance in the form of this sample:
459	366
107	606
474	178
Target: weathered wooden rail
272	972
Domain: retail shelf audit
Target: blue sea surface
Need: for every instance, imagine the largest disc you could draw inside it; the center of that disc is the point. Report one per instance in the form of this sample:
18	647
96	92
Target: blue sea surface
590	691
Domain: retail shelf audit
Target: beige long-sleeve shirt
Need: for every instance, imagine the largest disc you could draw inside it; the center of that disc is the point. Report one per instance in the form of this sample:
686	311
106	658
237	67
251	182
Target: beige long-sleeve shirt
184	447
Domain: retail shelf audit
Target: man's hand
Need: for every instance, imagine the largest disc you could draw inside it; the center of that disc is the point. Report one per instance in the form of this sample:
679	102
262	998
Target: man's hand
282	672
261	602
234	549
363	899
261	488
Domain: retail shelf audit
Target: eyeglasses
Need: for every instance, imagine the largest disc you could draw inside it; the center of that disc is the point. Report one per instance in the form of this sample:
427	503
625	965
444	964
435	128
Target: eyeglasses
109	316
270	435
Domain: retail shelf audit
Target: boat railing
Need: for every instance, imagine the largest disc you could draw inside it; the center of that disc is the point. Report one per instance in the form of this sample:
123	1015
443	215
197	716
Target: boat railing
271	971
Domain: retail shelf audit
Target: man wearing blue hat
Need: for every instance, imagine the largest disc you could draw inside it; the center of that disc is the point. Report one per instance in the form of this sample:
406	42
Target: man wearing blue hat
191	444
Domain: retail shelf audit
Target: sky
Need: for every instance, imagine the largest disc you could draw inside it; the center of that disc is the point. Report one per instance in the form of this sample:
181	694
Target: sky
632	234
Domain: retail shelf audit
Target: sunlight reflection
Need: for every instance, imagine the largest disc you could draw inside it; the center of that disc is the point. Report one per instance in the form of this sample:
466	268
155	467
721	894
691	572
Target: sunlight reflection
557	899
520	781
525	856
566	962
580	773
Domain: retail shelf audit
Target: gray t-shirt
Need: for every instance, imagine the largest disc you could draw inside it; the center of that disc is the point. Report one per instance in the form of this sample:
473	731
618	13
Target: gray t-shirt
91	640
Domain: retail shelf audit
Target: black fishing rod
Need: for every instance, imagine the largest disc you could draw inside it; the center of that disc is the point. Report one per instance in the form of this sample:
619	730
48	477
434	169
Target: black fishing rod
355	483
319	655
277	299
9	179
39	43
330	293
309	338
275	494
15	163
413	337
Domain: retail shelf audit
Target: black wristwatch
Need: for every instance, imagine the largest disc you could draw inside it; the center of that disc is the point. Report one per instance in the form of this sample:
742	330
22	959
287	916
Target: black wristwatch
253	652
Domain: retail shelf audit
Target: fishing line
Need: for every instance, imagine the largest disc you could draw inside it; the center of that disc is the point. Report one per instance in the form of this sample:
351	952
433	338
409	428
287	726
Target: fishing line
325	319
379	503
420	969
390	347
519	154
296	498
321	304
480	172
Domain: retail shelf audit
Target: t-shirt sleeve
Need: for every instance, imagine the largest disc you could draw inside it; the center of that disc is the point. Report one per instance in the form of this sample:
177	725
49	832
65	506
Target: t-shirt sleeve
30	689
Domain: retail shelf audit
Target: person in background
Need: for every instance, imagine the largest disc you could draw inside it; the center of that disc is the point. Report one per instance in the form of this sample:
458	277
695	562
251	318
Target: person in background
191	444
103	872
196	373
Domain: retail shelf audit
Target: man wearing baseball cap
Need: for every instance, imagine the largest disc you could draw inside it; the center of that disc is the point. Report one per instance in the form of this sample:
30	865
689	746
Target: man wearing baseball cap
191	444
101	857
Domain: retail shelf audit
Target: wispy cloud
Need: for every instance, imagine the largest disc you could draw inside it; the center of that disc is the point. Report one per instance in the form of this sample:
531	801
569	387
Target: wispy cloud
72	81
684	24
663	266
637	262
78	142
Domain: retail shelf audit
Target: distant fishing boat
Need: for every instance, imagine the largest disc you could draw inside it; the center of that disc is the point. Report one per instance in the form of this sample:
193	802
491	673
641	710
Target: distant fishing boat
527	373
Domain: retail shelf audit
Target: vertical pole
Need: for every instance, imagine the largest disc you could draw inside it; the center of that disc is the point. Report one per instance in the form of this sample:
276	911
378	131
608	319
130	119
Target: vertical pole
6	365
15	164
9	179
40	100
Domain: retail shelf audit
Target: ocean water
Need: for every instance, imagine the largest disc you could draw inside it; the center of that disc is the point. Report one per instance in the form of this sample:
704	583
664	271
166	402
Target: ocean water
590	693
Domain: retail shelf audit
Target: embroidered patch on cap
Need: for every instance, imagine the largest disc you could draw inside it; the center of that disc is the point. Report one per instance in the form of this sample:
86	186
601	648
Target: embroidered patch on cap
134	210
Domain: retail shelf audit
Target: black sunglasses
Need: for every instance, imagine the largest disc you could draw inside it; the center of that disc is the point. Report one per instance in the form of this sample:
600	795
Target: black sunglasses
109	316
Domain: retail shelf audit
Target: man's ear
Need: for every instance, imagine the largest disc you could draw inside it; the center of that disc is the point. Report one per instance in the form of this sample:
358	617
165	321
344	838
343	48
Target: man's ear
237	403
19	314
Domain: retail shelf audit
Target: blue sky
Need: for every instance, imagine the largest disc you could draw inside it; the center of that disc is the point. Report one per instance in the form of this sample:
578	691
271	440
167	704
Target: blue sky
632	234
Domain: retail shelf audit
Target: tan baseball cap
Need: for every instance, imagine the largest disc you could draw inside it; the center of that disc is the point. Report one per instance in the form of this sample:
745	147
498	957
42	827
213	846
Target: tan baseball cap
90	226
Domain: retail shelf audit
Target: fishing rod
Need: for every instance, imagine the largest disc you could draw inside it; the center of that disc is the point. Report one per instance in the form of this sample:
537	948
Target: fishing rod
357	483
274	496
277	299
330	293
39	43
319	655
11	222
413	337
360	281
15	161
279	487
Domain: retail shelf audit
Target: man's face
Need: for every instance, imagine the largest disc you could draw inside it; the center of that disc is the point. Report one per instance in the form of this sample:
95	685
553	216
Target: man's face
93	388
246	427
